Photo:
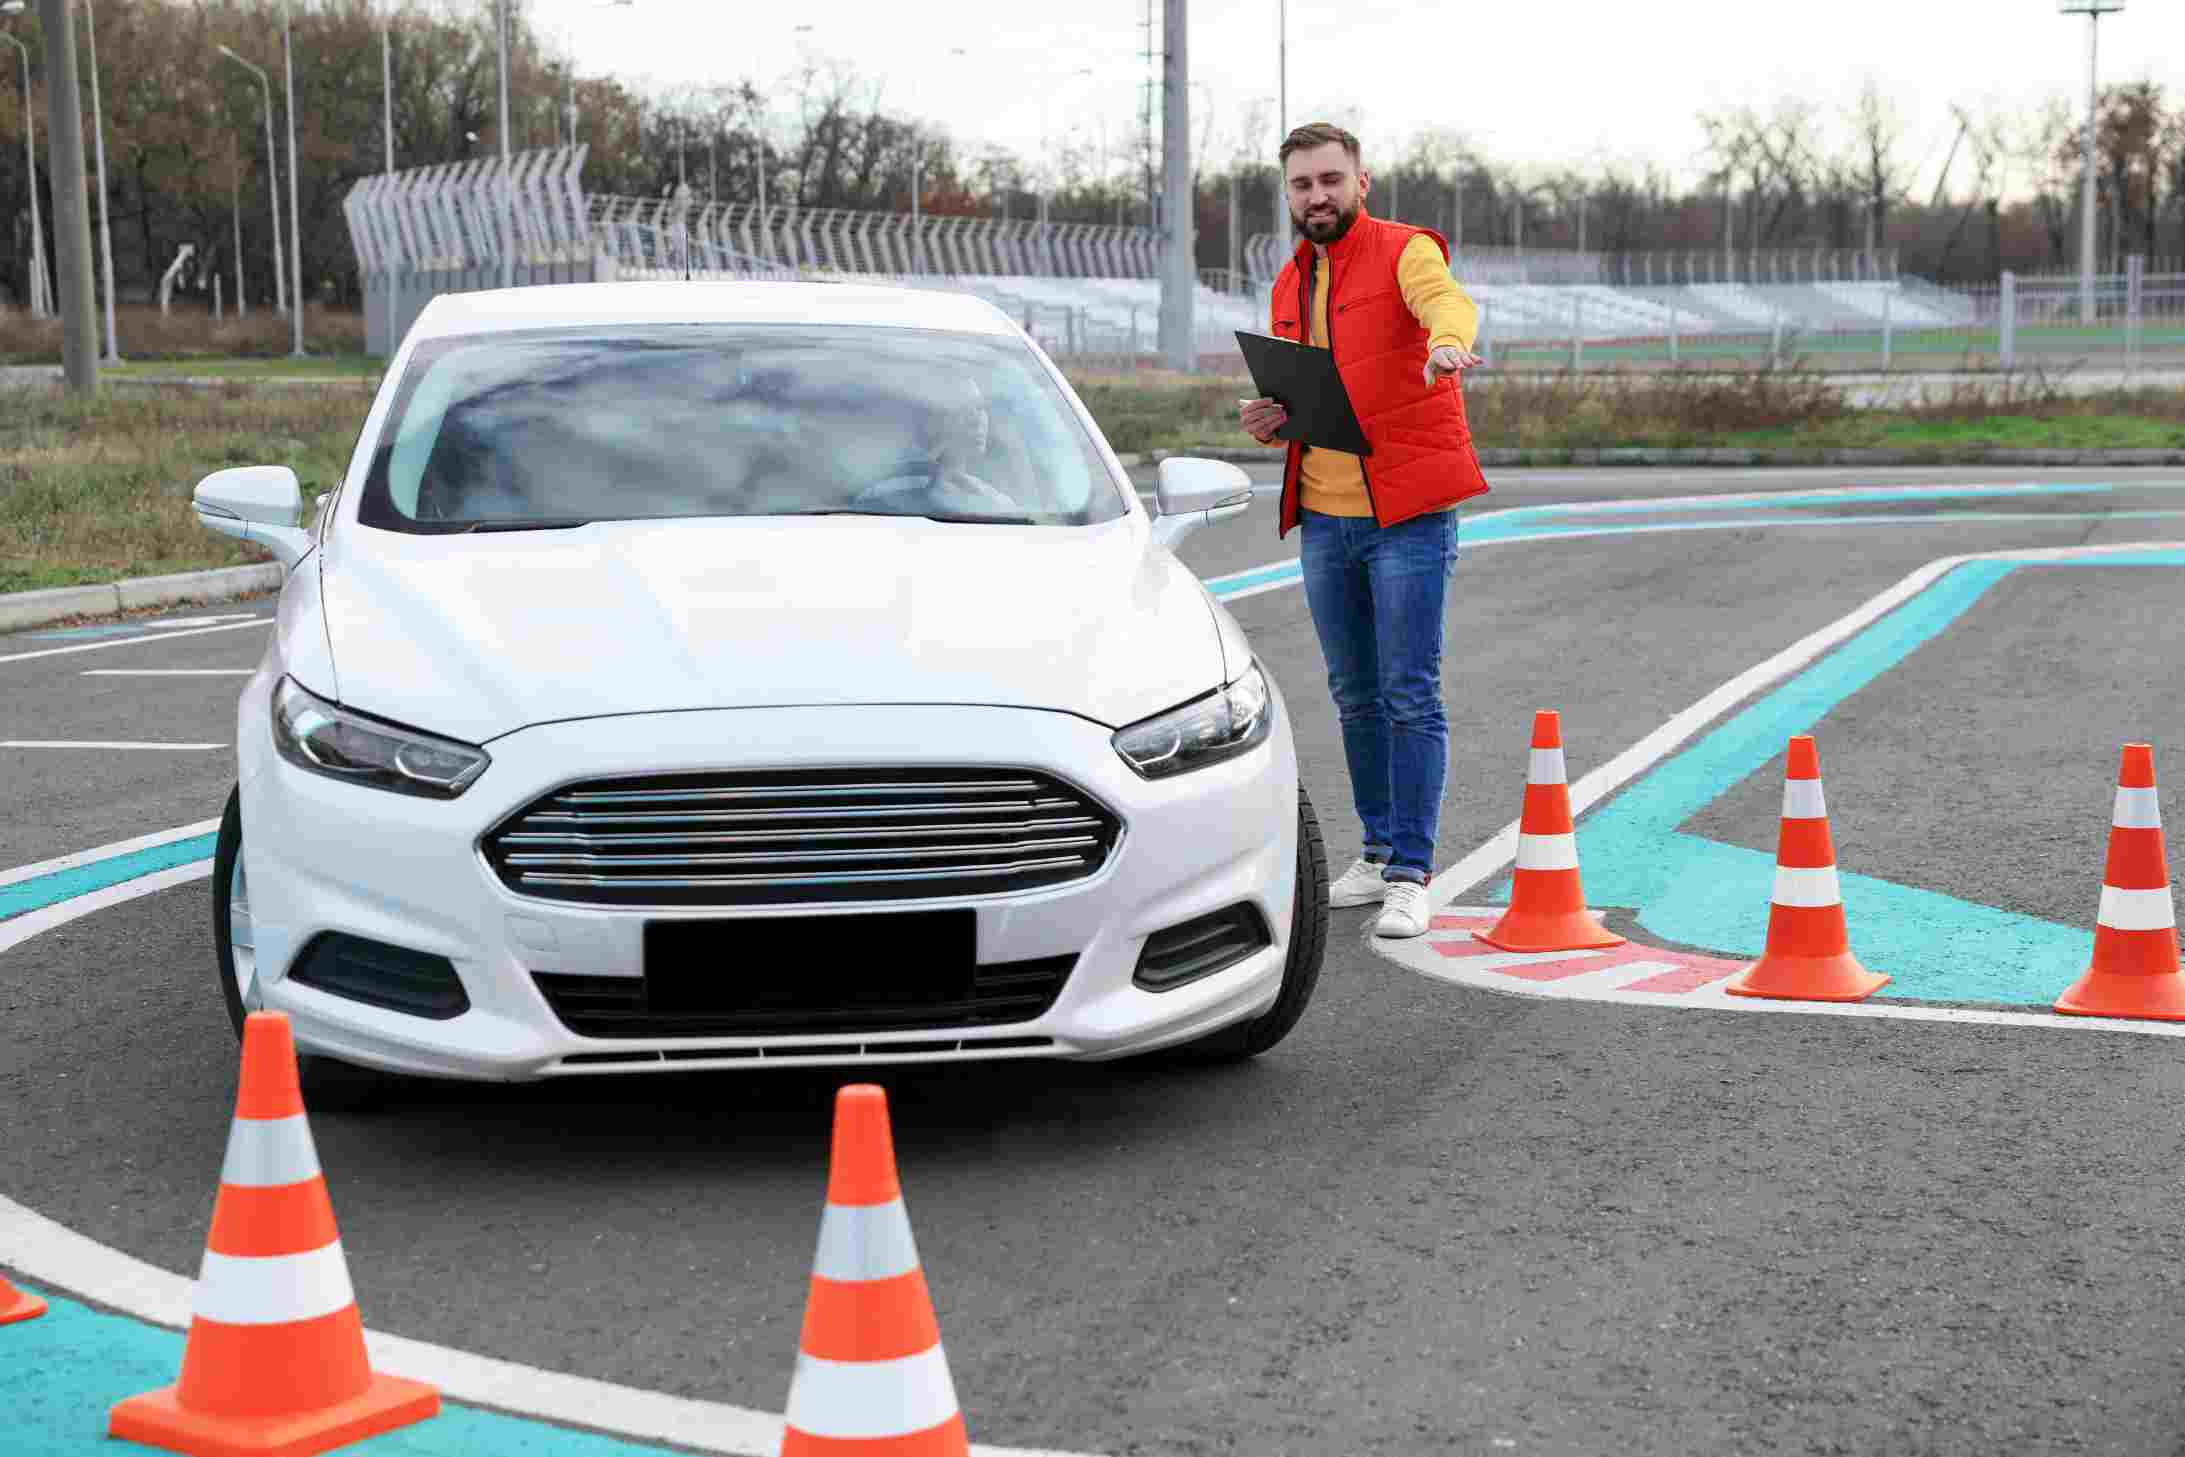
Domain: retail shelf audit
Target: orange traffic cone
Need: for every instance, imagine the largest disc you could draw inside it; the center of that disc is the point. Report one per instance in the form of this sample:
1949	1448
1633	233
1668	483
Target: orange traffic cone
1808	956
2135	970
1547	904
871	1377
274	1365
17	1304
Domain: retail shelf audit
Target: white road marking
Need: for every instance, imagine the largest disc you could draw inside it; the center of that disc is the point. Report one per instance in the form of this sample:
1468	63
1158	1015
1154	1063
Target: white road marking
168	672
96	744
124	642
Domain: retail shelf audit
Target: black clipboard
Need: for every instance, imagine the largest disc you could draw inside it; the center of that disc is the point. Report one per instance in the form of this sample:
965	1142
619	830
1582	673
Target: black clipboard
1303	381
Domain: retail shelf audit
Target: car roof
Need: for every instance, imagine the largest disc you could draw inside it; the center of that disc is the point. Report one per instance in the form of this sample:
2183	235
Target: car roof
548	306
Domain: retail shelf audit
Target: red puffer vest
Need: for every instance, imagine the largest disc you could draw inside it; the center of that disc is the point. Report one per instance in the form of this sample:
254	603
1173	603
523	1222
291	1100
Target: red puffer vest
1422	456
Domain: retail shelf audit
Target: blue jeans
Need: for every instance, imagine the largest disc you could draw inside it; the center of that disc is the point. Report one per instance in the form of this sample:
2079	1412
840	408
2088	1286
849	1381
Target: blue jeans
1377	598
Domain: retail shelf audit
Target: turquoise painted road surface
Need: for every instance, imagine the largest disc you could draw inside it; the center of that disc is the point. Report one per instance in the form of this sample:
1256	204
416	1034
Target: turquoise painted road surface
61	1373
1697	892
44	890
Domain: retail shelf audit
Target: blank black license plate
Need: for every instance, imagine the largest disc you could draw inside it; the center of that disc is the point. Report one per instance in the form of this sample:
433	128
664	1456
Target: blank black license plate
763	964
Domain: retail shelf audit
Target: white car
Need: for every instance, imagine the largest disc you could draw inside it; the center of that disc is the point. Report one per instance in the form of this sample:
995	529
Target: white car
691	675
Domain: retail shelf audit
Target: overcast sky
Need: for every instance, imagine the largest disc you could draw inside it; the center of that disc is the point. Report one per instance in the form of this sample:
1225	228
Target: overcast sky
1533	84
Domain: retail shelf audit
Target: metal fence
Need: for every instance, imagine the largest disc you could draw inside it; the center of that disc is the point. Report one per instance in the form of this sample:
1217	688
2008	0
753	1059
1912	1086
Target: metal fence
1088	292
1265	257
2138	325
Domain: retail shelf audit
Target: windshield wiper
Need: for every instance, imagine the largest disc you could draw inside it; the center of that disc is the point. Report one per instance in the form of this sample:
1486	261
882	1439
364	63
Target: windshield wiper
952	517
547	523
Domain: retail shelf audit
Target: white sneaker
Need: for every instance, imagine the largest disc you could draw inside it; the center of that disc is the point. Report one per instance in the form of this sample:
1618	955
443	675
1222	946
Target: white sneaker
1405	911
1361	885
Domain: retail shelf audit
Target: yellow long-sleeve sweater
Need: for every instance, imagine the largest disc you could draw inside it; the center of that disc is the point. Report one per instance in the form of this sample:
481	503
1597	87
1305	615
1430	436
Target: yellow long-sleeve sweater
1330	481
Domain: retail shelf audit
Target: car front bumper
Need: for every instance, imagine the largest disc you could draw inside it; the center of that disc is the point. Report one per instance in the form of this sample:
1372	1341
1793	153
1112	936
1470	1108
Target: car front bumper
324	856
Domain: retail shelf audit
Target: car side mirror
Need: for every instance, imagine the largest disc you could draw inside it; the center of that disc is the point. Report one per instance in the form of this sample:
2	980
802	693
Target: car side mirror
1189	483
1192	491
257	503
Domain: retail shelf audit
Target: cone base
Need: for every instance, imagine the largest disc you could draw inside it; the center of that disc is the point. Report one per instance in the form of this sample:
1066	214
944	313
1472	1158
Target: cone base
2159	998
158	1420
1548	931
1837	978
18	1305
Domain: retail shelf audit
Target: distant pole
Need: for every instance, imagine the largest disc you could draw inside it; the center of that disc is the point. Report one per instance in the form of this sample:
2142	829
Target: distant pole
1177	275
2093	10
106	201
242	302
1282	124
273	181
71	209
1236	237
500	32
387	93
40	305
295	213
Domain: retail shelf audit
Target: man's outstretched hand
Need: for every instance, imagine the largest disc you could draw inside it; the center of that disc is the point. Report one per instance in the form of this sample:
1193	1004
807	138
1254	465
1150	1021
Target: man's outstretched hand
1448	359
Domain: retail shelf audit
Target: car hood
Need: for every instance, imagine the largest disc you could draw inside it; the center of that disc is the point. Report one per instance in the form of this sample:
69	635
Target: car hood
475	636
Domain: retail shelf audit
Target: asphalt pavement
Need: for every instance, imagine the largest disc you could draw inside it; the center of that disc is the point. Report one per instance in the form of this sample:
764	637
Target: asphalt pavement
1435	1219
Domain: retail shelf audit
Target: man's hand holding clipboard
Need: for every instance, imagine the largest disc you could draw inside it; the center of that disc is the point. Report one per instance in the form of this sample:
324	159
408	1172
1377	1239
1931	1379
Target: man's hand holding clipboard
1277	370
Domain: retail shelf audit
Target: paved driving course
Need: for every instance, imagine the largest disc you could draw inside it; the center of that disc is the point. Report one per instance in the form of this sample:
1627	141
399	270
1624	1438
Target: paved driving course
1457	1211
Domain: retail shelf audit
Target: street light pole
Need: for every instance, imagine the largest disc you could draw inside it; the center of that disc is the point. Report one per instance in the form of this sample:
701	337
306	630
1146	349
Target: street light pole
500	35
1282	122
2093	10
39	304
295	212
106	201
235	207
71	210
387	92
273	182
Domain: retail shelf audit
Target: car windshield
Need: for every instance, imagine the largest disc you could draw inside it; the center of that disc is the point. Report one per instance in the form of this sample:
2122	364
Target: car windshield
540	429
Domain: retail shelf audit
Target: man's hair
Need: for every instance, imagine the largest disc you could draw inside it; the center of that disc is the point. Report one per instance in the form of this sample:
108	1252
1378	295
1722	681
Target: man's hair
1317	134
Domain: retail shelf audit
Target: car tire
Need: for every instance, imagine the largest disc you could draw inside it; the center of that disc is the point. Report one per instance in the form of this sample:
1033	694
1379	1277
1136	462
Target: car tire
1301	969
328	1083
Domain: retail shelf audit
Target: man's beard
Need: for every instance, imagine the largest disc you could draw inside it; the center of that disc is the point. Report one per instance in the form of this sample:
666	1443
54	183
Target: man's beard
1326	231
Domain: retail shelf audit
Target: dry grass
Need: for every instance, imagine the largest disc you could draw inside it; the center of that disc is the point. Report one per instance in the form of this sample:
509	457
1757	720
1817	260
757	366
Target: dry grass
98	490
1666	408
188	333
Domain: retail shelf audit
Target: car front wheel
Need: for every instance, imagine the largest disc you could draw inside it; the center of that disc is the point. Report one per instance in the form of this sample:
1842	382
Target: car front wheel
1301	970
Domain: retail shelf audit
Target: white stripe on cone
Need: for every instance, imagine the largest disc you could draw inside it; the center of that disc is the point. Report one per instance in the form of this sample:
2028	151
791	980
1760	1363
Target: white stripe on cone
272	1289
1807	886
1802	800
2137	910
2137	809
1547	767
865	1242
1547	852
265	1153
846	1399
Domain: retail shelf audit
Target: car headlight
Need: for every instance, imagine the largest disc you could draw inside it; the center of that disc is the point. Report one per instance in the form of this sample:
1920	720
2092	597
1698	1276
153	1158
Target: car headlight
328	739
1225	723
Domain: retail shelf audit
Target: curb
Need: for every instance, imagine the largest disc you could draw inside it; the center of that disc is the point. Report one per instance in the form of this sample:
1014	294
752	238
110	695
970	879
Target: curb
1643	455
56	604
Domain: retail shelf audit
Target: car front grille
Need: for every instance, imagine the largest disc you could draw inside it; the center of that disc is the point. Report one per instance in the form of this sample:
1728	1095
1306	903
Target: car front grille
802	837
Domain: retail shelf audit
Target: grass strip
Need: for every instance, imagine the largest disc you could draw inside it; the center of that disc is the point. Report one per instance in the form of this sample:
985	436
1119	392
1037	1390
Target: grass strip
96	491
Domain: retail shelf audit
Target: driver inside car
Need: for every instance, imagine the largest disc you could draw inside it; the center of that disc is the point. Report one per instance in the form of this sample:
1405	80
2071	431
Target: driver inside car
952	430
